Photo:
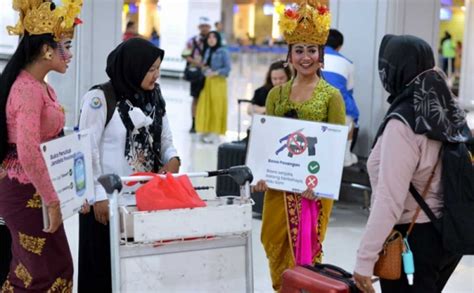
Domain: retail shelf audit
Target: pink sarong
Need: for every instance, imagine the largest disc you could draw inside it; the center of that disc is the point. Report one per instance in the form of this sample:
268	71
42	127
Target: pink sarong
307	244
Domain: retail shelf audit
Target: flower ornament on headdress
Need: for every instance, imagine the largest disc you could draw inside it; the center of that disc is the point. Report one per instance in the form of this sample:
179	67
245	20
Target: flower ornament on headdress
37	18
304	23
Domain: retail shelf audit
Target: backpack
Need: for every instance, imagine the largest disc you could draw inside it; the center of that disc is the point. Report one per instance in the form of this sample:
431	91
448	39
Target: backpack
456	224
110	98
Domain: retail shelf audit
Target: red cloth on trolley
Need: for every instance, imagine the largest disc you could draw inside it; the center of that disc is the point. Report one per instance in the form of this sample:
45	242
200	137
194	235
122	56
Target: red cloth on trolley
167	193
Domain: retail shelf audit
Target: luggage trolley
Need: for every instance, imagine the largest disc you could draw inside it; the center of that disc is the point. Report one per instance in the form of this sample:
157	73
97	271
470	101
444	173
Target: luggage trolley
206	249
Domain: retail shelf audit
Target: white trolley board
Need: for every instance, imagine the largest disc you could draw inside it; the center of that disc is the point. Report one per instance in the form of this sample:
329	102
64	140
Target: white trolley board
207	249
292	155
69	164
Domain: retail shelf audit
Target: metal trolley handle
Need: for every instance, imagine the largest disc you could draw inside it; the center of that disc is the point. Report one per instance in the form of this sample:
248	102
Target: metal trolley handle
240	174
111	182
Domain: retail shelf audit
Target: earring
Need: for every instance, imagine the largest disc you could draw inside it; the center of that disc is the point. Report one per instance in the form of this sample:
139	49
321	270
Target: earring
48	55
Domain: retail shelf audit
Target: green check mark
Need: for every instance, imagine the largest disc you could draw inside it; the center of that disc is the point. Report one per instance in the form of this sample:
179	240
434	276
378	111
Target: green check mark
313	167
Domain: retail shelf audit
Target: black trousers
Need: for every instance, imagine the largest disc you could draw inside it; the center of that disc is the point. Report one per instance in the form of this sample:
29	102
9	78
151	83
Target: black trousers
446	62
433	265
5	253
95	272
196	87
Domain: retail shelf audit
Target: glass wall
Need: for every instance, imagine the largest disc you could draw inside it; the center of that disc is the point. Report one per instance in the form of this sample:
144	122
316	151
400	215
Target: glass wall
145	14
256	22
451	34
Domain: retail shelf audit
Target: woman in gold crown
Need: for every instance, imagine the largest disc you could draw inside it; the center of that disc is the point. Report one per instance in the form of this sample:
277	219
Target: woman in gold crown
308	97
30	114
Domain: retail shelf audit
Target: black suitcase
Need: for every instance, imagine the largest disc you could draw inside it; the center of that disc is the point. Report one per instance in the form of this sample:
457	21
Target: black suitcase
234	154
229	155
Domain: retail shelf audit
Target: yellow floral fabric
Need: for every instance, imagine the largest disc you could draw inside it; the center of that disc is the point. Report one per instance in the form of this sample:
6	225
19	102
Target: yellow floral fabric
35	202
32	244
61	286
325	105
7	287
22	273
280	209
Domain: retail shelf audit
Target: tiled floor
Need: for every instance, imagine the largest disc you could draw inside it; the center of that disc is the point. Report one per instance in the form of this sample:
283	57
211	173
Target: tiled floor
347	221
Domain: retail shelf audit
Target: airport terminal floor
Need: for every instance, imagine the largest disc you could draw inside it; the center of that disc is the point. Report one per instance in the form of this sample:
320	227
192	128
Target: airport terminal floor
347	220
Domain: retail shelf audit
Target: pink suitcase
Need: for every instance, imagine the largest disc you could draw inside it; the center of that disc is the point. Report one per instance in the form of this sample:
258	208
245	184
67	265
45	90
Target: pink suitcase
322	278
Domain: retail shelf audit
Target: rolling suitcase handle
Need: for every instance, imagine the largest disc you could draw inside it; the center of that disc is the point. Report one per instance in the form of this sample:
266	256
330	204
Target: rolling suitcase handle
325	267
336	273
240	101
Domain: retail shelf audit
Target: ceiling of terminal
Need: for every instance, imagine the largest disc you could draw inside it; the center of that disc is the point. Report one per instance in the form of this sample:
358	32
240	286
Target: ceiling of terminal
455	3
235	1
270	1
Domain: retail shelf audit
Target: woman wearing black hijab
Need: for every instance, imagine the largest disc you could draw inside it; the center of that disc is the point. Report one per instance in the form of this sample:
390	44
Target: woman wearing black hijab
423	115
135	138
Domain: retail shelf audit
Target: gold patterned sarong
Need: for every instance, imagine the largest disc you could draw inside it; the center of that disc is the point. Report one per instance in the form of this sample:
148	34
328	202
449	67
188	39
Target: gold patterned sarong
280	222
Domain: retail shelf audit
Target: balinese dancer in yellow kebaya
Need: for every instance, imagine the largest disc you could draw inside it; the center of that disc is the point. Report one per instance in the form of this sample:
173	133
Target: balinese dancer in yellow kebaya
30	114
294	225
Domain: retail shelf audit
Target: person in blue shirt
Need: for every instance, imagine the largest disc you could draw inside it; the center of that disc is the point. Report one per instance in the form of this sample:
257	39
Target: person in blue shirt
155	38
220	29
339	72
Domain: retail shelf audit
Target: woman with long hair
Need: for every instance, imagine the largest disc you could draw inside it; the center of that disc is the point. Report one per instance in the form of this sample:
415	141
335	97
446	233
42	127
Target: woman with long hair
307	97
30	114
211	113
278	73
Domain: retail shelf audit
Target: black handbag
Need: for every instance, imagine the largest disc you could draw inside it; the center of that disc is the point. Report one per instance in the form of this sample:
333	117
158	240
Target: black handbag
193	74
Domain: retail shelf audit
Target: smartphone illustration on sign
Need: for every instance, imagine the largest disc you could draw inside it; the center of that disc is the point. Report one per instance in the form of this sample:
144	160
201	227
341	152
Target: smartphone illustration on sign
79	173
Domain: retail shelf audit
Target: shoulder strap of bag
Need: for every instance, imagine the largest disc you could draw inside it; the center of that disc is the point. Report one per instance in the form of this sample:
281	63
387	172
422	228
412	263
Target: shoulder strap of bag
110	99
196	47
281	93
420	199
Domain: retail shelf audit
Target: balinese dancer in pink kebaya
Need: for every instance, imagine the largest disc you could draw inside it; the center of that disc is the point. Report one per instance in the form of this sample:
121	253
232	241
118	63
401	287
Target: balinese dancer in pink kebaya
30	114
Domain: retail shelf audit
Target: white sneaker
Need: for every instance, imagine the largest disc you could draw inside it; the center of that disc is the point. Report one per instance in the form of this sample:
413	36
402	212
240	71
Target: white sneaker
350	159
206	139
354	159
210	138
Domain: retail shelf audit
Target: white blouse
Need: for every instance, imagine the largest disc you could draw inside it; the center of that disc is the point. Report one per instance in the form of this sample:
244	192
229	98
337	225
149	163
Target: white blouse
108	143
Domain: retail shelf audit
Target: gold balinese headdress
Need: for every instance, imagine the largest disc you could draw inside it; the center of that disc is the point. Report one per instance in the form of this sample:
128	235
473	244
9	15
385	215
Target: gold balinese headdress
37	18
305	23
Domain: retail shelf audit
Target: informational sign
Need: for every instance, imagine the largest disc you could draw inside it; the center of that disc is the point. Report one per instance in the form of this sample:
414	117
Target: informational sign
8	17
294	155
69	163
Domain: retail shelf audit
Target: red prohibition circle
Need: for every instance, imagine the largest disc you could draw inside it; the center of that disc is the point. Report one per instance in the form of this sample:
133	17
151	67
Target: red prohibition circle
311	181
300	143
